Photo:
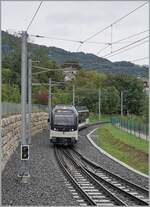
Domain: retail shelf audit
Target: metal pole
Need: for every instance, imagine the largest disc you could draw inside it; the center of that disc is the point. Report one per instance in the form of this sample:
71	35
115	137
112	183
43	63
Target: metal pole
73	95
99	95
121	103
1	107
29	100
25	172
24	85
49	102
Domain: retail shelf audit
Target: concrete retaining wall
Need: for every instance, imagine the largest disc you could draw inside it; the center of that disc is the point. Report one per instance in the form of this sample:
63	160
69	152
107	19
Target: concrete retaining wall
11	132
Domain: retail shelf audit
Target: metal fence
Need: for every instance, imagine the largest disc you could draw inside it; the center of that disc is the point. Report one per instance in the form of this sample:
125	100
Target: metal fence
132	127
9	108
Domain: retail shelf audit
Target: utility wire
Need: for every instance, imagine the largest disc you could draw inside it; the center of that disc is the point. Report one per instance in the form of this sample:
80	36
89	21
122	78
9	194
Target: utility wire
92	42
126	49
115	22
34	15
139	40
105	43
118	41
68	40
79	47
118	20
95	42
78	41
55	38
103	49
128	37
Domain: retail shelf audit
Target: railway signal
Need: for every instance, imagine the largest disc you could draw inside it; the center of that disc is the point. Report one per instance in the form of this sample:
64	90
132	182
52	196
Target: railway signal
24	152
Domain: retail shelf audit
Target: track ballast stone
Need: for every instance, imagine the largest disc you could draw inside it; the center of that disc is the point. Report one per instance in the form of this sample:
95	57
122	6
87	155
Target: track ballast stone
85	147
46	186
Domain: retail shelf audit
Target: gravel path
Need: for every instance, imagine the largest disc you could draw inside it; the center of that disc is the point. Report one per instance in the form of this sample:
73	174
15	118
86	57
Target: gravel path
86	148
46	187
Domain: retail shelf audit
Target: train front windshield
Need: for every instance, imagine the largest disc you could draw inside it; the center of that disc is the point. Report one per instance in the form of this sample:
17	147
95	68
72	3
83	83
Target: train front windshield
64	120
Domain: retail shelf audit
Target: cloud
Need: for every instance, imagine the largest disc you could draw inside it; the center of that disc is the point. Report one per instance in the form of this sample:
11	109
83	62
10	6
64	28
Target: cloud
77	20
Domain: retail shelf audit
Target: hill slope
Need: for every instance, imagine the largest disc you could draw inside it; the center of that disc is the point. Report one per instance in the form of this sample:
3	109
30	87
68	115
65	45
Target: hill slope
87	61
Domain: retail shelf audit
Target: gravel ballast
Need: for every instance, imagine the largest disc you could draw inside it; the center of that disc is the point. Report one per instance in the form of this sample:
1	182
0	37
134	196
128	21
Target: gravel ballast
85	147
46	186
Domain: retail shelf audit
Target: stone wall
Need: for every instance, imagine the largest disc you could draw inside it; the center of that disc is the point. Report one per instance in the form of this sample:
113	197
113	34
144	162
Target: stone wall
11	132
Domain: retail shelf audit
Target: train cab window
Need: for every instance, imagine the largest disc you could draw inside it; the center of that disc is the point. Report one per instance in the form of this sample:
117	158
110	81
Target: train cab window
64	120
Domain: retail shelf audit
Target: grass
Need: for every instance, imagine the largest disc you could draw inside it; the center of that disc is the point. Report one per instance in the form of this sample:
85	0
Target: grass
134	118
125	147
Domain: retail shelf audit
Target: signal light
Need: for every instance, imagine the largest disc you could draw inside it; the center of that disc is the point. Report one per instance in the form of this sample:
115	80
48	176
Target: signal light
24	152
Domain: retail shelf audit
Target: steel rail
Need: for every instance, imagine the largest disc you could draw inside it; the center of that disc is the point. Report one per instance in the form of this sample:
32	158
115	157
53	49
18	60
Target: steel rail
126	182
110	173
109	184
72	180
96	183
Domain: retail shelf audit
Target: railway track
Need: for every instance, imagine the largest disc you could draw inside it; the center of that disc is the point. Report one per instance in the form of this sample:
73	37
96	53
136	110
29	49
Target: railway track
92	185
131	193
85	188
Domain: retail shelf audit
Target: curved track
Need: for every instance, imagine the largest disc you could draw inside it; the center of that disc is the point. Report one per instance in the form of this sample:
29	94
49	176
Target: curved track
123	189
88	190
94	185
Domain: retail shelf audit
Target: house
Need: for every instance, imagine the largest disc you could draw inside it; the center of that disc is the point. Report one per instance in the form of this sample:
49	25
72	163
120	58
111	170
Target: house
69	73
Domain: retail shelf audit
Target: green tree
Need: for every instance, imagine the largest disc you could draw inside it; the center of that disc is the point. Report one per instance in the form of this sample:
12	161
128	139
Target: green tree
110	100
10	93
61	97
133	92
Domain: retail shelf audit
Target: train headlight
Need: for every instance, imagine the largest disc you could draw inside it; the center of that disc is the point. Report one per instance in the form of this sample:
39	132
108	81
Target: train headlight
54	129
72	129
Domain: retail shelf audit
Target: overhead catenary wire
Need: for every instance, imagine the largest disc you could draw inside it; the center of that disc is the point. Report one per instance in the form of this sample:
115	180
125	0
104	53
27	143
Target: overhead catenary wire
102	49
65	39
120	40
79	47
126	49
34	16
92	42
115	22
139	40
110	44
128	37
116	42
79	41
56	38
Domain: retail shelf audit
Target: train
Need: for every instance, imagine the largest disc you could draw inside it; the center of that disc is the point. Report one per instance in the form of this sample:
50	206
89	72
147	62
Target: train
66	120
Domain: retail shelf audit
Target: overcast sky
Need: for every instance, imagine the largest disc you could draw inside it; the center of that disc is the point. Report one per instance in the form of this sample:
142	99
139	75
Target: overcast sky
79	20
